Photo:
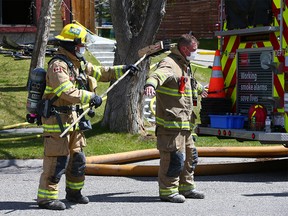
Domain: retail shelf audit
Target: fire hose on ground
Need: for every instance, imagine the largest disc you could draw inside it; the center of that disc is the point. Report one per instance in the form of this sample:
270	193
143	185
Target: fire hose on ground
266	158
14	125
20	138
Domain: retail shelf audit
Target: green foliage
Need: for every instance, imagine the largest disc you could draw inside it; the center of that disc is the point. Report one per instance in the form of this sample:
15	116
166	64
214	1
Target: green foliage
210	44
14	76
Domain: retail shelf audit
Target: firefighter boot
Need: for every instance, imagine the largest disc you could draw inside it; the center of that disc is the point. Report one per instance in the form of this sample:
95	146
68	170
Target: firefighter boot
75	196
193	194
174	198
52	205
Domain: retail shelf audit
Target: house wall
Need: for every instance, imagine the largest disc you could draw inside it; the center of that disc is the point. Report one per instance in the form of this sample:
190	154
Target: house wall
83	11
20	33
60	15
63	13
183	16
26	34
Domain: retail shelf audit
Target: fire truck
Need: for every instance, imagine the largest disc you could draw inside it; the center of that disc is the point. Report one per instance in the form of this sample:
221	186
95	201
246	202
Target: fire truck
253	38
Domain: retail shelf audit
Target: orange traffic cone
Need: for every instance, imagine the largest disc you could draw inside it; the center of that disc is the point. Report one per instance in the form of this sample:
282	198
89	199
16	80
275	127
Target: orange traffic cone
216	84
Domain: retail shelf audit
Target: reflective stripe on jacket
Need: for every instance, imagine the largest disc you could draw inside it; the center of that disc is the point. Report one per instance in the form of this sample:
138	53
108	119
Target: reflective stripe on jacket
55	128
106	73
173	109
61	81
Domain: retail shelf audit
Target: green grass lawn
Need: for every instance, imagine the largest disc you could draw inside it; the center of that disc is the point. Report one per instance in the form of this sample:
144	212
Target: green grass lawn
13	96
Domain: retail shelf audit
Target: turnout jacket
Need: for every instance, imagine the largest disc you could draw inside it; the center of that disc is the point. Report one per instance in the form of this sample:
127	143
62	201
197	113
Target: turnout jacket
61	81
173	109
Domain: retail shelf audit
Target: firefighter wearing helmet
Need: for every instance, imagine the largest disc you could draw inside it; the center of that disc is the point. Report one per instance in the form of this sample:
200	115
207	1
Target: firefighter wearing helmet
70	83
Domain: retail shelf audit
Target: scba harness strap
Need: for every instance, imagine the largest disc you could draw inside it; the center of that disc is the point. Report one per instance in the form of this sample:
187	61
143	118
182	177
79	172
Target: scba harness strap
47	109
63	58
45	106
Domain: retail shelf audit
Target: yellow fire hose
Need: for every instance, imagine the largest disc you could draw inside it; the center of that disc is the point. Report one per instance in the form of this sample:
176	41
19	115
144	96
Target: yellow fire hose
124	157
201	169
14	125
17	138
148	154
120	170
263	151
267	158
20	138
206	52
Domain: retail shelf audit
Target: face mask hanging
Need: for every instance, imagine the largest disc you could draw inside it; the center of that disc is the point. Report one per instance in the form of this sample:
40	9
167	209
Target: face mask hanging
82	50
192	56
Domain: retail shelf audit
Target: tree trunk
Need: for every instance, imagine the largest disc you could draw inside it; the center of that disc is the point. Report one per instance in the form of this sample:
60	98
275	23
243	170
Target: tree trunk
135	25
42	34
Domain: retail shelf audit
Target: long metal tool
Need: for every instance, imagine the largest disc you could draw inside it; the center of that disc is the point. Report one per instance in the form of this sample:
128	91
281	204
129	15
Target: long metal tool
106	92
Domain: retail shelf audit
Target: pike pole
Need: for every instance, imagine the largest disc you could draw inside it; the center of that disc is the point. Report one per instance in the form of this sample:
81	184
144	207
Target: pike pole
106	92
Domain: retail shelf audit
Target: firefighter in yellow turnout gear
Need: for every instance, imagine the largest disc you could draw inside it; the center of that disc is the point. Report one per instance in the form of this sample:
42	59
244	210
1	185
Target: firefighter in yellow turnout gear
178	155
65	155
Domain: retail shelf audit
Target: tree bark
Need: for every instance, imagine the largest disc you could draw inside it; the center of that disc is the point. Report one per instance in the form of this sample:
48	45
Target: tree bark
135	24
42	34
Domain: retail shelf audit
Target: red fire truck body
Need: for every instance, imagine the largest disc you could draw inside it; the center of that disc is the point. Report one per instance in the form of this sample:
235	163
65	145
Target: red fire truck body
253	38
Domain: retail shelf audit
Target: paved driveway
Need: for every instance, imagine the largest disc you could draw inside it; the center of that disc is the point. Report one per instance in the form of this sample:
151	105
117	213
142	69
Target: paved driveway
242	194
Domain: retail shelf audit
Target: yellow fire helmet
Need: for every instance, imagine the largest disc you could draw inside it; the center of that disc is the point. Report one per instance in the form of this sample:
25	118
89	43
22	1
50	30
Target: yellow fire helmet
73	32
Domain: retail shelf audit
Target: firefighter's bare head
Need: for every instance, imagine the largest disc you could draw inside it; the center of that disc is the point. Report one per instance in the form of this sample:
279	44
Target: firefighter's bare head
187	45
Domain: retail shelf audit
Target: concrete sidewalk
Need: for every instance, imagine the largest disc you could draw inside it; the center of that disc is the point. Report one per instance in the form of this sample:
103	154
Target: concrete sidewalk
242	194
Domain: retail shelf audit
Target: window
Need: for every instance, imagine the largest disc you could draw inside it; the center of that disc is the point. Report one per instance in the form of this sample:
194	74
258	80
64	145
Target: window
17	12
244	13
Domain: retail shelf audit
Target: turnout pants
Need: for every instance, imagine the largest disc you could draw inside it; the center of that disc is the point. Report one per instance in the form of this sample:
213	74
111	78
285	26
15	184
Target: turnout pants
178	159
62	156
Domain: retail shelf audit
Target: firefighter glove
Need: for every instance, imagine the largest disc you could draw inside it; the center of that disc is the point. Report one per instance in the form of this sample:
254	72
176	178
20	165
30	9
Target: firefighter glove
89	68
95	101
166	45
133	69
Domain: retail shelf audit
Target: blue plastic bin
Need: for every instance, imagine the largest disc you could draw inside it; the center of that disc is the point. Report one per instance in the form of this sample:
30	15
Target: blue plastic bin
238	122
221	121
227	121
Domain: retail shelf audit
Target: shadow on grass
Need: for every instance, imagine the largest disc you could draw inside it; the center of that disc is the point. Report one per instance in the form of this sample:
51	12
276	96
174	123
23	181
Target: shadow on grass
14	149
97	129
13	89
